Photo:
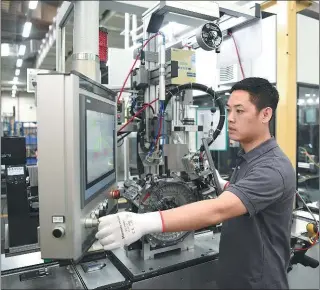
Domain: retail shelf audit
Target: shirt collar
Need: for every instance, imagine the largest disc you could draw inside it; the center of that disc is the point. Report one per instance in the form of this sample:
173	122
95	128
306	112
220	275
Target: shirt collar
259	150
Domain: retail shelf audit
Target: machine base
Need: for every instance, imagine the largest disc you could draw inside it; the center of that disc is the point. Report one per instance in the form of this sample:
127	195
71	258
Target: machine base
206	247
80	276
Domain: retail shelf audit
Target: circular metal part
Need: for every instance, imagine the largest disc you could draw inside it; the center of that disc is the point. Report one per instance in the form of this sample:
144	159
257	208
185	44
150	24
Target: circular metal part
91	223
58	232
162	196
209	36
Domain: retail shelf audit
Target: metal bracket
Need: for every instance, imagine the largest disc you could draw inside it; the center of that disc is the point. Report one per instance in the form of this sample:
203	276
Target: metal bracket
212	167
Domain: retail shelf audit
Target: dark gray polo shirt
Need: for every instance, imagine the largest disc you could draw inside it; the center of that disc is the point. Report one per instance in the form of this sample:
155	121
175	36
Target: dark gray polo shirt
255	248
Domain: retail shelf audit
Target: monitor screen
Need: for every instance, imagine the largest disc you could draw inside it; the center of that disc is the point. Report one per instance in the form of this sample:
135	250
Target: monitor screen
98	150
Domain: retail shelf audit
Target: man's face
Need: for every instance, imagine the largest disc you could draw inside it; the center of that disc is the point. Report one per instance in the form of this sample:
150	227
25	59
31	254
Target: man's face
245	123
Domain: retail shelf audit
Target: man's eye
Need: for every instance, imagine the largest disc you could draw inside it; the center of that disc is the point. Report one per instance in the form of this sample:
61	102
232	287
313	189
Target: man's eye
239	111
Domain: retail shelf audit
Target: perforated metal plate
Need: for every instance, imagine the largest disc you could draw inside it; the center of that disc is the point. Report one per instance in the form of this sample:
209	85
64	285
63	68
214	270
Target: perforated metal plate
166	195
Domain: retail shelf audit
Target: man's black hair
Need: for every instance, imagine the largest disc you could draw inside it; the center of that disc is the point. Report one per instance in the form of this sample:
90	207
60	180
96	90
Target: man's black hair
262	93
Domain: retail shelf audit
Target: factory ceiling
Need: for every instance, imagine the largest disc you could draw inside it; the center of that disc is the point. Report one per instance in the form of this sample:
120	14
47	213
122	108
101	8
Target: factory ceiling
14	15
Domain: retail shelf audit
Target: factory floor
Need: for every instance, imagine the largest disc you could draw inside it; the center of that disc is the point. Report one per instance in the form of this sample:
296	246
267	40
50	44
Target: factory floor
299	278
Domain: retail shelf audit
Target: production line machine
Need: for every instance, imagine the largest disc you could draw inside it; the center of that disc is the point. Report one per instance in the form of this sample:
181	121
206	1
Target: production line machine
80	123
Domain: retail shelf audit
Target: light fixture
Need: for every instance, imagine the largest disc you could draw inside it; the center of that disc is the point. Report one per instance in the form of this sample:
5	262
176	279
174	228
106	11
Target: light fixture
17	73
22	50
5	49
310	101
14	87
307	95
19	62
317	100
15	80
13	94
33	5
301	102
26	29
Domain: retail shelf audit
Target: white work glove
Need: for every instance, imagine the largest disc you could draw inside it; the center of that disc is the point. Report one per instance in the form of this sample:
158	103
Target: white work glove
221	180
124	228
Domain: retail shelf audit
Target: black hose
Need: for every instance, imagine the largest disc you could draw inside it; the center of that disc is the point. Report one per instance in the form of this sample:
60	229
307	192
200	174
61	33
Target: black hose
123	136
199	87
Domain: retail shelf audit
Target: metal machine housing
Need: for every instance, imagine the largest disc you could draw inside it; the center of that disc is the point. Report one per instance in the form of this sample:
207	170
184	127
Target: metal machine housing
63	213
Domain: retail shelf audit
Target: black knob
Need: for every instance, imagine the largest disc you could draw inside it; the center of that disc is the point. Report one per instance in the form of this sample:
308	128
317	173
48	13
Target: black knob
102	213
58	232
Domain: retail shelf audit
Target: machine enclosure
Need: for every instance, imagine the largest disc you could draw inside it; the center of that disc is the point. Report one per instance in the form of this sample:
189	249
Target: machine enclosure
63	234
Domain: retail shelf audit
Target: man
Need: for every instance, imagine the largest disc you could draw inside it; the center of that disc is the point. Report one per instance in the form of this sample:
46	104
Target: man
255	208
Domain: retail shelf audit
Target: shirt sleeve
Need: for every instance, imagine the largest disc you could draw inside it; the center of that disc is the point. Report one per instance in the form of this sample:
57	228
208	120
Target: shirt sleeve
261	186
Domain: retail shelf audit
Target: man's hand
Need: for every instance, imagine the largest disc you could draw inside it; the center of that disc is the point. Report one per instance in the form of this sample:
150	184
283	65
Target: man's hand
124	228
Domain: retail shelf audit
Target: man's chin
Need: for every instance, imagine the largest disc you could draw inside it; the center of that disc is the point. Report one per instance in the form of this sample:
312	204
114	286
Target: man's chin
233	138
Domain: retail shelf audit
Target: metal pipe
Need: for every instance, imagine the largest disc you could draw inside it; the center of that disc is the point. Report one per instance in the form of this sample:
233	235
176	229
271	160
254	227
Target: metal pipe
134	28
126	30
85	58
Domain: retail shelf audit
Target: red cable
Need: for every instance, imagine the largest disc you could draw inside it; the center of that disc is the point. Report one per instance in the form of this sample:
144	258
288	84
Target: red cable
137	114
235	44
132	67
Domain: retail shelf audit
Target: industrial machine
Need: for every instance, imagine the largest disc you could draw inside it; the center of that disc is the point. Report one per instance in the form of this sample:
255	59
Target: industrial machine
80	123
21	230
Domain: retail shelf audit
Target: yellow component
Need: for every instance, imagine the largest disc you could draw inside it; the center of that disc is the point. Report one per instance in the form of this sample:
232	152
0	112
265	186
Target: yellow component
312	229
187	66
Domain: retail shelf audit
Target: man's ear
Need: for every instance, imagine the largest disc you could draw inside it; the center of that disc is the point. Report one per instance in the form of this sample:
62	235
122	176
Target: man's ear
266	115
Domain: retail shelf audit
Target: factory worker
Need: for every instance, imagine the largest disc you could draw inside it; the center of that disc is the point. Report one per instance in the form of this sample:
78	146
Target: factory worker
255	206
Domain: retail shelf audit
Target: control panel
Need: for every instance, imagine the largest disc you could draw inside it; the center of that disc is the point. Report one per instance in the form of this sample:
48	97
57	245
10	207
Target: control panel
98	212
16	175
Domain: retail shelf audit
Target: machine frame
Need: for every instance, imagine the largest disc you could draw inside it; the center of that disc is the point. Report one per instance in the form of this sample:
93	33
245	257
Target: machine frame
64	230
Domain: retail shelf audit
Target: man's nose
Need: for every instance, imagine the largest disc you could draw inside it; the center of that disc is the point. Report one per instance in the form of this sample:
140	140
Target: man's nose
230	117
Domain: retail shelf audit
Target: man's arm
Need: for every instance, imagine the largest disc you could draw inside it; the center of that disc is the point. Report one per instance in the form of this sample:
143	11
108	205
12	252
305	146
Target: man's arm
202	214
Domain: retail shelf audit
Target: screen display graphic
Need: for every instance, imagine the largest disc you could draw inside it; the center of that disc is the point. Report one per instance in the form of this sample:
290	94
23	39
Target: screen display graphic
100	151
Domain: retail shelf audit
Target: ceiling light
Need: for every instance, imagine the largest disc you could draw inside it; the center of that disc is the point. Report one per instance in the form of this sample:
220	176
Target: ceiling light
301	102
17	73
14	87
43	40
33	5
19	62
13	94
314	95
15	80
22	50
26	29
5	50
307	95
317	100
